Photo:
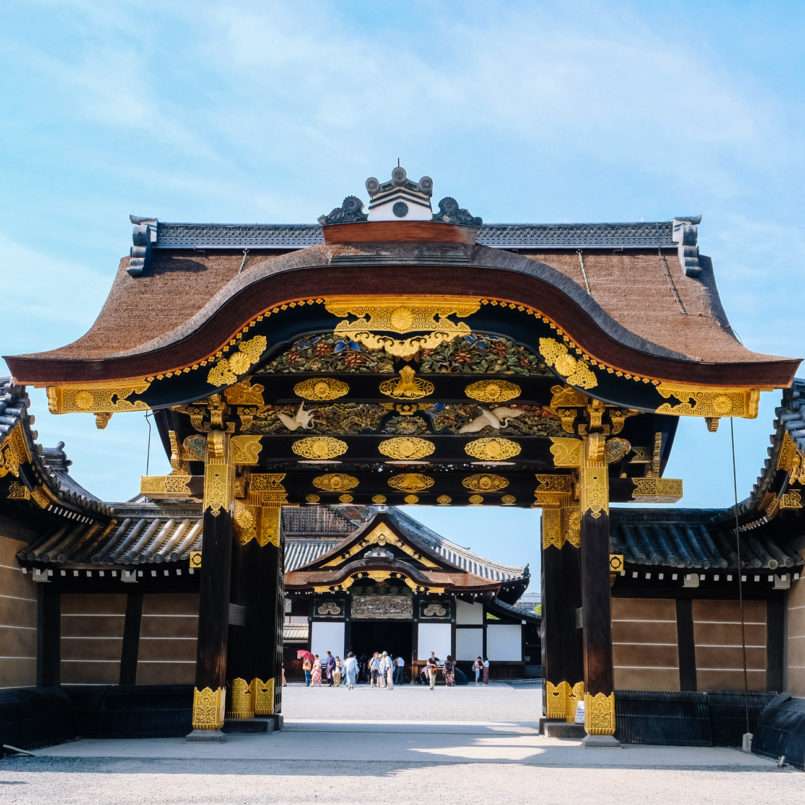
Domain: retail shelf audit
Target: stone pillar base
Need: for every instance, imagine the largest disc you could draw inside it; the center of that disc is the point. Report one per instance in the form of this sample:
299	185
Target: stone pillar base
601	741
205	736
561	729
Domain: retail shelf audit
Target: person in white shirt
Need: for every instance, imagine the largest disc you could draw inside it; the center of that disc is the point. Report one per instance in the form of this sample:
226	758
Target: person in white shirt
351	670
387	665
433	669
374	671
399	671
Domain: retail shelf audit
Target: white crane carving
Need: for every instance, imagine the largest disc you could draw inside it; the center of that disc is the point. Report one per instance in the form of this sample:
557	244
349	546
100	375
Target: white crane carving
302	419
497	418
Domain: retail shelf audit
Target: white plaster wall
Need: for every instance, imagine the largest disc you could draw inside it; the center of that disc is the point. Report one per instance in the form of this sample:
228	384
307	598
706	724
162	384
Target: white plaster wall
469	643
469	614
434	637
504	642
327	636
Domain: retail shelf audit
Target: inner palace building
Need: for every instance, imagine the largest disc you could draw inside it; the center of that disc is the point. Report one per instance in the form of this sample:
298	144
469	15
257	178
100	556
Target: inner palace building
308	381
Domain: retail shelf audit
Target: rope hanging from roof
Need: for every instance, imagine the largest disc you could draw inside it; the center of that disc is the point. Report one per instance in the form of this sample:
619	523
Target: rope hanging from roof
740	577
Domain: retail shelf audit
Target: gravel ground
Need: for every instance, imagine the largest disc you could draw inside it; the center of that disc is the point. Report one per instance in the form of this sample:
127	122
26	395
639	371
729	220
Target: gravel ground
407	746
496	702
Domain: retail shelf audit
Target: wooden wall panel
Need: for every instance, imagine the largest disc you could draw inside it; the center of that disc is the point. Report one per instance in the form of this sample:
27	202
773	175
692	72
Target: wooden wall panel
795	640
91	638
167	653
717	637
18	597
644	644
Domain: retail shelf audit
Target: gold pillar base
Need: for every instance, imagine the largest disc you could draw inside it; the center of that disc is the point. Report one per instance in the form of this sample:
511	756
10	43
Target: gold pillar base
556	699
599	714
241	702
575	694
208	708
263	693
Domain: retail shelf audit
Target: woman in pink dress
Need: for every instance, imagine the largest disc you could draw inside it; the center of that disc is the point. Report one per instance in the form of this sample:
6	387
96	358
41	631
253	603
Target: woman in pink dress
316	672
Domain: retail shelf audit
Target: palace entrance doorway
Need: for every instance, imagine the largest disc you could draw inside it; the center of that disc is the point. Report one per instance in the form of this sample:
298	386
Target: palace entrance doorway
395	637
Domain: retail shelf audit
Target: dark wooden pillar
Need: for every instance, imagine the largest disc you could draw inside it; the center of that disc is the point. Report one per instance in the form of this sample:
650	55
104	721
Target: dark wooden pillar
685	644
263	592
561	597
131	638
775	642
266	615
240	671
599	697
209	696
48	635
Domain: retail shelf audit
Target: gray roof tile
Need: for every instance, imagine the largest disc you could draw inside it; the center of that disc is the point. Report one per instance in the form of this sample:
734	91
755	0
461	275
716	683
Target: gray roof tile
695	539
282	237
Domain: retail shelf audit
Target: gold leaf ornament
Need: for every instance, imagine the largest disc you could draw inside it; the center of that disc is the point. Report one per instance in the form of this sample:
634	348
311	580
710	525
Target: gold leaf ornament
708	402
208	708
319	448
245	393
227	370
493	391
599	713
335	482
484	482
246	449
98	399
407	387
381	320
321	388
575	371
411	482
406	448
263	692
493	448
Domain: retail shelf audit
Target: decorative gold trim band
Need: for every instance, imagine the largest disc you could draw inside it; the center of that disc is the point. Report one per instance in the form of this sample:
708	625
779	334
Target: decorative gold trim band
97	398
743	400
165	487
13	452
657	490
376	317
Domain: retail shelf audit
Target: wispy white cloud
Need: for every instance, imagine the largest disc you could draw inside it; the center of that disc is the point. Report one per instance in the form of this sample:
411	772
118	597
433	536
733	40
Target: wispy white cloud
534	76
44	288
261	110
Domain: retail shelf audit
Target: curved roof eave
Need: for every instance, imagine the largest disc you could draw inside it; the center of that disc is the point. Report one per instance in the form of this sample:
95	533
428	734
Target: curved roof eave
517	278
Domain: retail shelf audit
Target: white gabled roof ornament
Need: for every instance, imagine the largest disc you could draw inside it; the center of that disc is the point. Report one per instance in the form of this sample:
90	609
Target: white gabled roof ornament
400	199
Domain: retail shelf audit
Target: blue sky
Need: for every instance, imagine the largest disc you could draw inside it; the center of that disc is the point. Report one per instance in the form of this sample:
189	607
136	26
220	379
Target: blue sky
243	111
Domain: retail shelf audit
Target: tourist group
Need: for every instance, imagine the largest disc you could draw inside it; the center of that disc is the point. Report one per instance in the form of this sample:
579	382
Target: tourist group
381	670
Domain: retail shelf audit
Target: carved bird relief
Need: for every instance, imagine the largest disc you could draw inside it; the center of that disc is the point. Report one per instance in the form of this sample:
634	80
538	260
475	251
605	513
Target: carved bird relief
302	419
497	418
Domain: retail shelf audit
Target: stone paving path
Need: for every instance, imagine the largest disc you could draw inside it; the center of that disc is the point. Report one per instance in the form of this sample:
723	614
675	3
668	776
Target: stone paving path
404	746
